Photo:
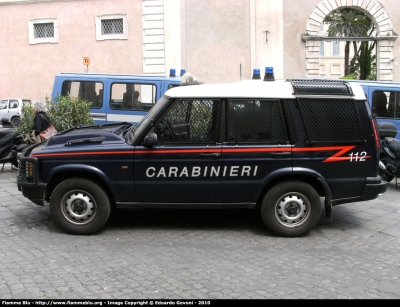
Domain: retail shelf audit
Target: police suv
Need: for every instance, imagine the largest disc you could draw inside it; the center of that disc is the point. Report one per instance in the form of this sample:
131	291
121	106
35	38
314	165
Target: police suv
280	147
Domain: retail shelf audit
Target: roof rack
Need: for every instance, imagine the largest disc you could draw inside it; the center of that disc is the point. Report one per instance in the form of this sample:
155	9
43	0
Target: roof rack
320	87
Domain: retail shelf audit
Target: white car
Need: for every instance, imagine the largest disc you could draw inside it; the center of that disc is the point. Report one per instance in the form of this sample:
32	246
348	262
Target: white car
10	110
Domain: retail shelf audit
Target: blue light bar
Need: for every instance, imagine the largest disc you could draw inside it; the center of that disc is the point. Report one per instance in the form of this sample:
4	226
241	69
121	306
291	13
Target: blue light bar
172	72
269	74
183	71
256	74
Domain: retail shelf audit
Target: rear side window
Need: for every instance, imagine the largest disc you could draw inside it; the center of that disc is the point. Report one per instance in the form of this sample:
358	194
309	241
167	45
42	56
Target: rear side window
85	90
331	120
386	104
132	96
259	121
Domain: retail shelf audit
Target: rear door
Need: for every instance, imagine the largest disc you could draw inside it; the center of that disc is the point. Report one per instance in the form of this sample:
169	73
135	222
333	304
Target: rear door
185	166
13	107
256	148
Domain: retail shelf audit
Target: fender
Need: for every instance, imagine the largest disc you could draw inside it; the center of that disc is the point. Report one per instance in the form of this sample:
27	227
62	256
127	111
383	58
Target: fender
327	190
303	171
81	167
270	176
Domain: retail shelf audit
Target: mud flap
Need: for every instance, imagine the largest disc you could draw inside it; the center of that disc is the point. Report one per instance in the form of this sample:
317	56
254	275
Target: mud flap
328	210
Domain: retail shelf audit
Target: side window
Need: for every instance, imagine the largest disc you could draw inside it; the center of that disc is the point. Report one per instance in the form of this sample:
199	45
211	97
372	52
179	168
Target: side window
331	121
3	104
189	121
132	96
394	100
86	90
259	121
13	104
384	104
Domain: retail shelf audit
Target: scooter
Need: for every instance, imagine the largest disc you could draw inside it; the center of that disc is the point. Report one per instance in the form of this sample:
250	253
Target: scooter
10	144
389	162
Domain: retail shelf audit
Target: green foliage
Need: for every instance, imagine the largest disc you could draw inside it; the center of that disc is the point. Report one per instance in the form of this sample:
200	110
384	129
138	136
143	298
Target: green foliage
26	120
348	22
66	112
350	77
366	61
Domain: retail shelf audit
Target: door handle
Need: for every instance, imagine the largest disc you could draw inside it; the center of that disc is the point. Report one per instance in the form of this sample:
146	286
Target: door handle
213	155
286	154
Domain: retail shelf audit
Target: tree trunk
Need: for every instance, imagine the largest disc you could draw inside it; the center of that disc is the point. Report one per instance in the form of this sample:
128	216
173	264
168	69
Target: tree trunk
353	67
346	58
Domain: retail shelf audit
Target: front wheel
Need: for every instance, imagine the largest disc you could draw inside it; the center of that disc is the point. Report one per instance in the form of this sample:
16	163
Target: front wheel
291	209
80	206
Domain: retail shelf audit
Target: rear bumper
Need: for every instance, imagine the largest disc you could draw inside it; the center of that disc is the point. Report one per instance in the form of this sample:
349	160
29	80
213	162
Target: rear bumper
374	186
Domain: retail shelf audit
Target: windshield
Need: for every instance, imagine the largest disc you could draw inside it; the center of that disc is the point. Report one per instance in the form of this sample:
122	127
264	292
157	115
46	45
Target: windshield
145	120
3	104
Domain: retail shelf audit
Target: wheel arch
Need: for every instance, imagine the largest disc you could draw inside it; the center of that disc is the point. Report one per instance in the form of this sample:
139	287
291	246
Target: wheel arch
60	174
308	176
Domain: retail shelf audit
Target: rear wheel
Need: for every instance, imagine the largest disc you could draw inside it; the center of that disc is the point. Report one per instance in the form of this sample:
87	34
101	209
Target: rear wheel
80	206
291	209
15	121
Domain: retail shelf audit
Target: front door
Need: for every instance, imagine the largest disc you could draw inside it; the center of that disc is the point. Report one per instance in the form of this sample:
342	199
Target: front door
185	166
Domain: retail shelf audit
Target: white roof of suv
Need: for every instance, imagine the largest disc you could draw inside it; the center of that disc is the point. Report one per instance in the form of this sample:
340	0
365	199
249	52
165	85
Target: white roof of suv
256	89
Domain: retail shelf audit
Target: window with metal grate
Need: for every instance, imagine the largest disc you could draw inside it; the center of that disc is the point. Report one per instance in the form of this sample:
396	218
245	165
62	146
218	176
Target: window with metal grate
259	121
331	120
112	26
43	30
189	121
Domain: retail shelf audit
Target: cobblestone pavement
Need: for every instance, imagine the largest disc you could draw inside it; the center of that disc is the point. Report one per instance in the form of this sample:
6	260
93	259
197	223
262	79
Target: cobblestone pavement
191	254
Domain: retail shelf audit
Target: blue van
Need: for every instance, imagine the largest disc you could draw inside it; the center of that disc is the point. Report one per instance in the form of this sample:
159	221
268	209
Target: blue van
384	100
115	97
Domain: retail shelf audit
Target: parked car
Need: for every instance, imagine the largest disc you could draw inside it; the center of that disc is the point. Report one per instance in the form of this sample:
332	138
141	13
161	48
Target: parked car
10	110
274	146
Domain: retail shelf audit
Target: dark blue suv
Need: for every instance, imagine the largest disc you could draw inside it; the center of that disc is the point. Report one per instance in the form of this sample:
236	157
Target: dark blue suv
283	147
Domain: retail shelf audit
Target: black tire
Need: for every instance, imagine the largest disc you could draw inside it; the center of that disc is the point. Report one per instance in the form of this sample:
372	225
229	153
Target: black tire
80	206
15	121
291	209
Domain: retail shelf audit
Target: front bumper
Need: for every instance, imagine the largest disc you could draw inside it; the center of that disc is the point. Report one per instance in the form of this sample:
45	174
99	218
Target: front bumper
34	194
28	180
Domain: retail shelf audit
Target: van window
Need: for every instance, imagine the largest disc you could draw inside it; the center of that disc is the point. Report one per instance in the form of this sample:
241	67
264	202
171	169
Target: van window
3	104
386	104
86	90
13	104
132	96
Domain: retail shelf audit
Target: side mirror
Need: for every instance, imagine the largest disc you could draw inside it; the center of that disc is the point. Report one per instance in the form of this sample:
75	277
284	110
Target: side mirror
150	139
